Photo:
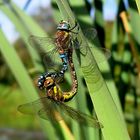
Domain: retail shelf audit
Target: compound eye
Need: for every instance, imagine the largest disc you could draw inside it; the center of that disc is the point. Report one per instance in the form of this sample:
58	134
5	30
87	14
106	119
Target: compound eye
40	83
41	77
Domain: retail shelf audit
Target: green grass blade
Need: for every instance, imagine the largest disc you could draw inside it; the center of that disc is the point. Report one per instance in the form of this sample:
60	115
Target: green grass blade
24	34
85	21
22	77
104	66
138	5
105	107
16	66
29	23
135	21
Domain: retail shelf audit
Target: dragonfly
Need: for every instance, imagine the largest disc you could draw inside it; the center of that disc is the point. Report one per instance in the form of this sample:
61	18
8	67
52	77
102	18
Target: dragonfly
53	103
64	40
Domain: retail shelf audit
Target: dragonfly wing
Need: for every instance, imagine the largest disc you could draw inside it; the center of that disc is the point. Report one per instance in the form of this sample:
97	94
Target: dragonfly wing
50	110
50	113
52	60
45	108
100	54
80	117
48	50
42	44
32	108
90	34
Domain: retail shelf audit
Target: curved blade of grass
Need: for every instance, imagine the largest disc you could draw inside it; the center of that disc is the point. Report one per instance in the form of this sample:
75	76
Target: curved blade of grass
35	29
81	98
21	75
28	22
138	5
105	107
135	20
56	13
24	34
104	67
85	22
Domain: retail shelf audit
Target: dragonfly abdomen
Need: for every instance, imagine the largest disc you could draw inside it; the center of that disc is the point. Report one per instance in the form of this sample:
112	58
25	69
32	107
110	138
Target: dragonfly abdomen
69	95
64	58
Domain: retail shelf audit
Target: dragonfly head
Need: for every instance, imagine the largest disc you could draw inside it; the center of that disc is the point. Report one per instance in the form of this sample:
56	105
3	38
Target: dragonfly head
41	81
63	25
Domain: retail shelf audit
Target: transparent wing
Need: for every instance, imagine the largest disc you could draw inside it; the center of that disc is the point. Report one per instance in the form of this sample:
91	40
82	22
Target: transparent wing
48	51
64	110
43	107
52	61
80	117
51	112
32	108
90	34
101	54
49	109
42	44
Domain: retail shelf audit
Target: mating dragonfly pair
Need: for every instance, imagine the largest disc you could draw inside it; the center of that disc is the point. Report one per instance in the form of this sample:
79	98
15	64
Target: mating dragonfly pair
47	107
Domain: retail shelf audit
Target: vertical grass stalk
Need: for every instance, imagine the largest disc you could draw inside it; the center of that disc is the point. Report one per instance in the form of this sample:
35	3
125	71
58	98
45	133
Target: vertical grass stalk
105	107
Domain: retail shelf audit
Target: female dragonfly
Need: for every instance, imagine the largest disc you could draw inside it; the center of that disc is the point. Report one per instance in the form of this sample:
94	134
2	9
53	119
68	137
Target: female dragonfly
53	104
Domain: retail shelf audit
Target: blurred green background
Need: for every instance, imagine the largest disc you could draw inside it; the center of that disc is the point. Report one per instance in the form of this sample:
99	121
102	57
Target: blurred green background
117	25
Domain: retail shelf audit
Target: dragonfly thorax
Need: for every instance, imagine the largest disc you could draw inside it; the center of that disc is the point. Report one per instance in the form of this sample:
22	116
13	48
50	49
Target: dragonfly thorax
48	83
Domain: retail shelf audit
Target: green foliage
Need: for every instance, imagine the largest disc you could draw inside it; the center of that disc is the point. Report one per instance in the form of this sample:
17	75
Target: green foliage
138	5
106	104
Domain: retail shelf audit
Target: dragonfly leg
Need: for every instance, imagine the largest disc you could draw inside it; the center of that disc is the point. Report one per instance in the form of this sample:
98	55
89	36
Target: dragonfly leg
76	25
77	43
